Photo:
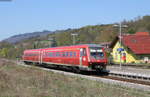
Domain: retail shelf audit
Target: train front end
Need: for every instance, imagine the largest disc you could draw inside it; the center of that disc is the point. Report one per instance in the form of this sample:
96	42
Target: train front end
97	58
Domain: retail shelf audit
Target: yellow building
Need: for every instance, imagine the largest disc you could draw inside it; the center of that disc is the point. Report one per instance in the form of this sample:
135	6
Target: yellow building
132	49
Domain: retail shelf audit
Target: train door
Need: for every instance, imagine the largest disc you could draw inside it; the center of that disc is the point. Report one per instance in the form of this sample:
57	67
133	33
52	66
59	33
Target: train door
83	57
80	58
41	56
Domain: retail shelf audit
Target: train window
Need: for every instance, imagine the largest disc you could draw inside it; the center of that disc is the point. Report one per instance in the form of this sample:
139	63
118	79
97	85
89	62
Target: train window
70	54
63	54
74	54
67	54
60	54
53	54
30	54
57	54
83	52
50	54
96	52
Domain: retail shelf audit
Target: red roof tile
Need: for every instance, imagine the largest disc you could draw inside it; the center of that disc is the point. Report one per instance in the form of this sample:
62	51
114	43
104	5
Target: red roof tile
142	33
139	44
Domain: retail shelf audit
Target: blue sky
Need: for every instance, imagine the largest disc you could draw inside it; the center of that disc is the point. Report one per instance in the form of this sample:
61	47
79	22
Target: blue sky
23	16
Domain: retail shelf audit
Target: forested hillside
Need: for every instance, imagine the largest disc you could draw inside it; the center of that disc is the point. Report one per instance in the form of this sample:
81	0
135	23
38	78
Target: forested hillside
88	34
103	33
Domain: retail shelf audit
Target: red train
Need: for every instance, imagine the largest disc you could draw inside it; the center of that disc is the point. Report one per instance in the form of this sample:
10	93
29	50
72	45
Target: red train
83	57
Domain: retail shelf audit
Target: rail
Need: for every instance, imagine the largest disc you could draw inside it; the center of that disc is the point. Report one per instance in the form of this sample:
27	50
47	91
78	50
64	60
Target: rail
128	75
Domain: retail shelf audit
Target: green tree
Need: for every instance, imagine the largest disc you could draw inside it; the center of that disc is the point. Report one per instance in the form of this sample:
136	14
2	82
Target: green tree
4	52
131	31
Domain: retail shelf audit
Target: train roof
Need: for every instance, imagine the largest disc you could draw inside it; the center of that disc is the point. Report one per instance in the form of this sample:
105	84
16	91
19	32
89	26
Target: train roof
79	45
71	46
93	45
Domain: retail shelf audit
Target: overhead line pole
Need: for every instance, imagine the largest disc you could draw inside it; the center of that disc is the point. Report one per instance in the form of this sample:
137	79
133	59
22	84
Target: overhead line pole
120	31
120	39
74	39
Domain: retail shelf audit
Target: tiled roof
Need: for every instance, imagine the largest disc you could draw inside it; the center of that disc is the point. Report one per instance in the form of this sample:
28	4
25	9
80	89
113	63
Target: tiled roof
139	44
142	33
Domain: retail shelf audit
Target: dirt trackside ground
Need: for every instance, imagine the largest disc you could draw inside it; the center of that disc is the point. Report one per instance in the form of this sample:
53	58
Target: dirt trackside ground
19	81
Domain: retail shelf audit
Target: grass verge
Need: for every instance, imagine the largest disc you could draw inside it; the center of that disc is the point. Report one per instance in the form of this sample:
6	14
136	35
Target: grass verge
19	81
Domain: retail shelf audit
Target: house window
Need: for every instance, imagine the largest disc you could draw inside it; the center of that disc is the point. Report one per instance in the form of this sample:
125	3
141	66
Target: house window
134	41
123	54
146	59
116	56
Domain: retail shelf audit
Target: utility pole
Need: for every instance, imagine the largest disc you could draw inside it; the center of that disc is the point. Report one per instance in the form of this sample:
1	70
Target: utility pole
74	39
54	44
120	25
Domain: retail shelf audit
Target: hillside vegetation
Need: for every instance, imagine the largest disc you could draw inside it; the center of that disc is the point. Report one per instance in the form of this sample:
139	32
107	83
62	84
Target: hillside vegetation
19	81
88	34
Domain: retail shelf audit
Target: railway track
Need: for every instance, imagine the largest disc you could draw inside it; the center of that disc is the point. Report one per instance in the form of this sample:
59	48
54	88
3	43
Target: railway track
127	77
128	80
133	65
133	76
118	79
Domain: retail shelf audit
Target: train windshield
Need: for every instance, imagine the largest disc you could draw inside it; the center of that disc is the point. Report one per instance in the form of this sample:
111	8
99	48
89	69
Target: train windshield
96	52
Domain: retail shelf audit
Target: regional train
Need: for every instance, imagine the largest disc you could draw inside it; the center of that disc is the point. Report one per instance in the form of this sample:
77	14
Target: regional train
90	57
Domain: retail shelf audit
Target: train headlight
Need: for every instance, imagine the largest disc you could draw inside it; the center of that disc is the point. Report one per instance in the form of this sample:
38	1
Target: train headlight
84	59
